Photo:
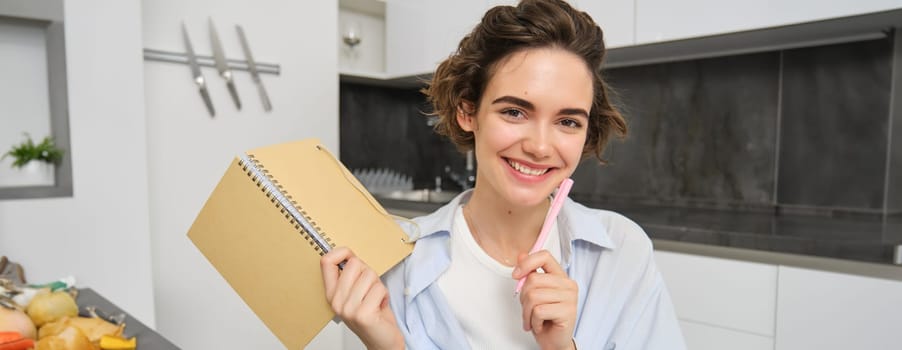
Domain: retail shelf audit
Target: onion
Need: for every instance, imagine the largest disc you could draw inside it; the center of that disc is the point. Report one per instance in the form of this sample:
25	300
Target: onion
16	321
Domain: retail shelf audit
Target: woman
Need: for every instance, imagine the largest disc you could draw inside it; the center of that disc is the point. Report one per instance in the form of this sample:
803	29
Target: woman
525	92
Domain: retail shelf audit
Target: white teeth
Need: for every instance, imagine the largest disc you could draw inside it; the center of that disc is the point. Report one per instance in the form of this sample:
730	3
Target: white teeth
526	170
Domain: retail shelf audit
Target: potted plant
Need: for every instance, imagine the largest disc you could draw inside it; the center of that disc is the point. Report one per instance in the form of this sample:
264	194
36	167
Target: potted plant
27	151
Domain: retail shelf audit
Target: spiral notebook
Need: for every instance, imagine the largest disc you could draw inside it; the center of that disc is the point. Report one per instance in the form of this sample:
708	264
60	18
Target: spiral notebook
275	211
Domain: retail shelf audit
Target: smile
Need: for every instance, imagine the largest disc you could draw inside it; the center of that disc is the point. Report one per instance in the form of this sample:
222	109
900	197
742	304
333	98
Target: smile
523	169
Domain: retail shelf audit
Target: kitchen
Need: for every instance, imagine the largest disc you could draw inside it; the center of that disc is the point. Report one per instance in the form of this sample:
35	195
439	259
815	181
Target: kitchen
761	160
145	155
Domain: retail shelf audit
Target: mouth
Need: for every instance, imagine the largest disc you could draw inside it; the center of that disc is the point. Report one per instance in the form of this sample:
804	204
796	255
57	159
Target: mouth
526	169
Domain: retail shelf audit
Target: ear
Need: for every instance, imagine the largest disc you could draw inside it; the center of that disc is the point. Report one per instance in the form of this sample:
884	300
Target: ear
466	116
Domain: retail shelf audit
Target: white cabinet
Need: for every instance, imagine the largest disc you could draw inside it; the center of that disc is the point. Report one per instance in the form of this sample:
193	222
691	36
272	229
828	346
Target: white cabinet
368	55
706	337
721	303
827	311
730	304
493	3
662	20
615	17
734	294
419	34
422	33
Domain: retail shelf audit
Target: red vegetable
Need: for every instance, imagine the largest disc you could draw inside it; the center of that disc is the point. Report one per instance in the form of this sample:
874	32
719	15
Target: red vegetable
14	341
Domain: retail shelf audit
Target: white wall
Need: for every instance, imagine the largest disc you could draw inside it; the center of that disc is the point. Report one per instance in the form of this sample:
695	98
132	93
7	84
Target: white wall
99	235
188	151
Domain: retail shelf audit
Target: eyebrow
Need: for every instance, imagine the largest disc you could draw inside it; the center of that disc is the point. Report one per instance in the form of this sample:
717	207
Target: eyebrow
529	106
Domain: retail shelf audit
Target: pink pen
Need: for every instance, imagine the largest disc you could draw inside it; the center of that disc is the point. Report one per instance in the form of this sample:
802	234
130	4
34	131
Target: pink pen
556	205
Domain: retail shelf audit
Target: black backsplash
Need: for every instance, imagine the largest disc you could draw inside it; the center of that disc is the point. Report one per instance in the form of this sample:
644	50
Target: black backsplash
802	128
699	131
894	173
387	128
835	112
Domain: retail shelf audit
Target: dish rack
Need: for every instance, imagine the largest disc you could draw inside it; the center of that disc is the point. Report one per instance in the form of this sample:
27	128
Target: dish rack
382	180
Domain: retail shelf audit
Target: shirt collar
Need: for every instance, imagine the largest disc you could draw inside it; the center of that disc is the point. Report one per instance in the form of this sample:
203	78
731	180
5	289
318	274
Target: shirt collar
431	256
441	219
581	223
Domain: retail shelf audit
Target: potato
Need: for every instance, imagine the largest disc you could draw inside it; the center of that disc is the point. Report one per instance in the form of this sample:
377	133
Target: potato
92	327
47	307
69	339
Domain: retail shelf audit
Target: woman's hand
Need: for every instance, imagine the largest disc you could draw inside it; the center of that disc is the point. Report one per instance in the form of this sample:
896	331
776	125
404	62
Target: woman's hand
548	299
359	298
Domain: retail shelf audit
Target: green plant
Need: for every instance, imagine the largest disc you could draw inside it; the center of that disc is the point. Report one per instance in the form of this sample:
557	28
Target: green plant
46	151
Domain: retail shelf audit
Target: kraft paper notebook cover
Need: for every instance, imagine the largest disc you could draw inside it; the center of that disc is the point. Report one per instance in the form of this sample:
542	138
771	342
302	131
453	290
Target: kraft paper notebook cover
248	232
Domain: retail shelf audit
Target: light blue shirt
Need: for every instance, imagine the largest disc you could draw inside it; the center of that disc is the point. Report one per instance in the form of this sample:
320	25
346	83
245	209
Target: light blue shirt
623	302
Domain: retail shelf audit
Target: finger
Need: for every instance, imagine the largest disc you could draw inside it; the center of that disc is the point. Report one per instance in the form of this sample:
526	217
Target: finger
546	289
531	298
346	280
546	315
376	299
360	289
544	280
337	255
535	323
541	259
329	266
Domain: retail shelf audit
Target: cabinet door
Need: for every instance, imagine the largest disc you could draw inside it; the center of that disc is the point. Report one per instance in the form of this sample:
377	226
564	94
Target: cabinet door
662	20
422	33
369	54
615	17
493	3
833	311
730	294
700	336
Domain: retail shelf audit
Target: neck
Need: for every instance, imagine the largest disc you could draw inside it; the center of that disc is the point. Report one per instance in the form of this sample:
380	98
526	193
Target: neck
510	228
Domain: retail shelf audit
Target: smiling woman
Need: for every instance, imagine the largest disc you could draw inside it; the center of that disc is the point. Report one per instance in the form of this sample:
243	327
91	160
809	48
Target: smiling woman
525	92
530	127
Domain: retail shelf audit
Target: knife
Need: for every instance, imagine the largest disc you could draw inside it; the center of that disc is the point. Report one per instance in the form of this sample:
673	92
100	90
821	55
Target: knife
195	72
252	66
221	65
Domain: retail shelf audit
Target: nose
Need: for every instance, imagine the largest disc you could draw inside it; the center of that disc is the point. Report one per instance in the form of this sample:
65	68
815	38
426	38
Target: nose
537	143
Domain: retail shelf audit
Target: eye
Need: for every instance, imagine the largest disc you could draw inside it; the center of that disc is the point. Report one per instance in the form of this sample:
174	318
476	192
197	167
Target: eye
571	123
513	113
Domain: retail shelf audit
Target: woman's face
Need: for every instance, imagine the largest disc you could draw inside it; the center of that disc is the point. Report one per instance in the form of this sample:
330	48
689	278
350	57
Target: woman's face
531	124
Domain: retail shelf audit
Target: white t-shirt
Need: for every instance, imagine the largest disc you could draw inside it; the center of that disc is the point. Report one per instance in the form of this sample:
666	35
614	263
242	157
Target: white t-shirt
480	291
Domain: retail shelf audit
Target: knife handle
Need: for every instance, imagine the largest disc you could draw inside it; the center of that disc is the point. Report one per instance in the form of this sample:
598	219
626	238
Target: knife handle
209	103
234	93
267	106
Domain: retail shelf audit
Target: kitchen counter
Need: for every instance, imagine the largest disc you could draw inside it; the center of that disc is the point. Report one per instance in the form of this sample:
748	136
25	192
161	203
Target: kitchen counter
857	244
147	338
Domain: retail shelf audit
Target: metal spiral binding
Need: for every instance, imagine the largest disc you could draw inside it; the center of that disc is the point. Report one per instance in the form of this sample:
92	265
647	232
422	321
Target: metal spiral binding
288	206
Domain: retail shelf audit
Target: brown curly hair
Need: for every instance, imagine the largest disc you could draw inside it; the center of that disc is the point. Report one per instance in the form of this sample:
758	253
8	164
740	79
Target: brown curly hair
504	30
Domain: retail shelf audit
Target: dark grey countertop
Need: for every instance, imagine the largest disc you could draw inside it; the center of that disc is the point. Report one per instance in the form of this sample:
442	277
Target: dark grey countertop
147	338
861	244
859	238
